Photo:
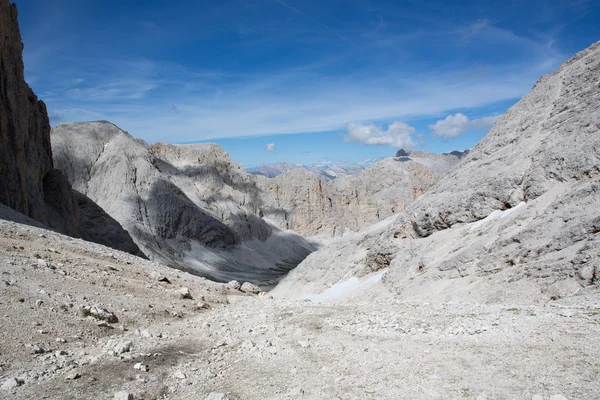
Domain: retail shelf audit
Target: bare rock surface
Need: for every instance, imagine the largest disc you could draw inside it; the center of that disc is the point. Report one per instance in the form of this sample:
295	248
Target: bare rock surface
516	220
251	348
28	180
189	206
441	164
300	201
325	172
29	183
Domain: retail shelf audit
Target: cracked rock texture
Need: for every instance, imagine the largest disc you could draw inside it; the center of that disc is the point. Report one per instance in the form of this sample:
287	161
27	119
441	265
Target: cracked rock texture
193	208
516	220
29	183
188	206
300	201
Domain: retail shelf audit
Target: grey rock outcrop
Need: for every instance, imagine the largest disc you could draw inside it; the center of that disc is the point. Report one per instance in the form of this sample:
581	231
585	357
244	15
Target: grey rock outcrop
325	172
29	183
193	208
189	206
25	151
441	164
550	137
300	201
516	220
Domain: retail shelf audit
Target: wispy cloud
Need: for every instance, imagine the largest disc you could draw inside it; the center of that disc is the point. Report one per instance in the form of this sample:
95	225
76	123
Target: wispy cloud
394	72
324	25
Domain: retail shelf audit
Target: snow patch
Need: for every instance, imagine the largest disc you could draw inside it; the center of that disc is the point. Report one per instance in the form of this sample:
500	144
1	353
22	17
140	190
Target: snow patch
343	288
497	214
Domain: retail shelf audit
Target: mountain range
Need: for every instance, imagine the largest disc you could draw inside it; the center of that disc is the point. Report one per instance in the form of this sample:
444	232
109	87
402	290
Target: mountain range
478	270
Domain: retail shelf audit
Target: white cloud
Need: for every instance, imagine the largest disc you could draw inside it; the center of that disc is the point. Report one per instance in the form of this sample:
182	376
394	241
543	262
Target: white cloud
455	125
397	135
270	147
141	95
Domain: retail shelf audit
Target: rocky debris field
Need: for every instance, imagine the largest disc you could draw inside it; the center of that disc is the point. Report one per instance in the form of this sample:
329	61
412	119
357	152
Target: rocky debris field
177	336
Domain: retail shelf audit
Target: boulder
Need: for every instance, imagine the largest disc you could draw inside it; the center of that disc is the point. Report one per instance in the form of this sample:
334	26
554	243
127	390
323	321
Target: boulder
248	287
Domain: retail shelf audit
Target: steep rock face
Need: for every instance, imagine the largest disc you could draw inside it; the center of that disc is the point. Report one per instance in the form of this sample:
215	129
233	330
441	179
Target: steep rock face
187	205
192	207
29	183
550	137
516	220
441	164
25	152
326	173
303	203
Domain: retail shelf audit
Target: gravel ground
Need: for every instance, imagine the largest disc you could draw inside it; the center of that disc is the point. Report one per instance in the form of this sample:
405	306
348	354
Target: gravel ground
252	347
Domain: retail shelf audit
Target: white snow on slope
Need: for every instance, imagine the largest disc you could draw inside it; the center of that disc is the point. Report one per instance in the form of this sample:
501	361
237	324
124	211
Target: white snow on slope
343	288
496	215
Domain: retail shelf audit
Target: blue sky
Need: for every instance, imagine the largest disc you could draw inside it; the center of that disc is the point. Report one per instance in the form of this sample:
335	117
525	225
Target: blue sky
298	81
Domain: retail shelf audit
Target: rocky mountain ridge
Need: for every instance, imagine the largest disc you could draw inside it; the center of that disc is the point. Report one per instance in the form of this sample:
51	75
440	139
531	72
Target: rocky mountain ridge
187	206
194	208
29	183
324	171
485	287
302	202
516	220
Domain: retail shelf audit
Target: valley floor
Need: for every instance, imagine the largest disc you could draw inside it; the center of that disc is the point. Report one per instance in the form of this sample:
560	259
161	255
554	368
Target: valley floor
262	348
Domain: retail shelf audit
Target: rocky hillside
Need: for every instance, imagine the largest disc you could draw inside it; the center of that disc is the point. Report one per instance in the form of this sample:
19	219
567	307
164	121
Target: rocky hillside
178	336
441	164
28	180
29	183
516	220
193	208
302	202
325	172
188	206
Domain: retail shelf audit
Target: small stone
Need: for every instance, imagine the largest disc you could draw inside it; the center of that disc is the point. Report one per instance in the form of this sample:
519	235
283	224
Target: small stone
248	287
295	392
248	345
217	396
145	333
179	375
160	277
202	306
98	311
304	344
37	349
184	293
587	273
72	376
123	395
122	347
141	367
60	340
234	285
38	303
102	324
12	383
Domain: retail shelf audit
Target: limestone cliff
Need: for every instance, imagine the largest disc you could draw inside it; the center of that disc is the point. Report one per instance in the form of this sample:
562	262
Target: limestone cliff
188	206
302	202
194	208
29	183
517	220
